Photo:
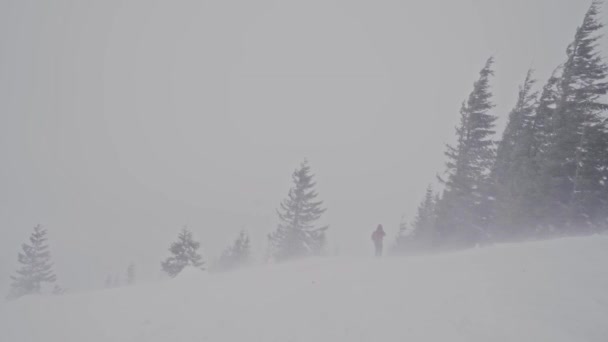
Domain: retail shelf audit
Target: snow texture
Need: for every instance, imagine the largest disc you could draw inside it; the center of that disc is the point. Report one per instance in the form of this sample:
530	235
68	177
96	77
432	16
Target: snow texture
538	291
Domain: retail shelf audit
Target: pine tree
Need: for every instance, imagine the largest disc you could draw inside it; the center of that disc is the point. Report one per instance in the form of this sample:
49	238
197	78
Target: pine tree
515	139
297	234
131	274
424	222
237	255
515	170
418	236
184	253
574	183
36	266
464	211
405	231
542	128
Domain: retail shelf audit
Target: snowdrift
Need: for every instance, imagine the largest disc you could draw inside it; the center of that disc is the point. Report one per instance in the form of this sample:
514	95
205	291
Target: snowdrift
542	291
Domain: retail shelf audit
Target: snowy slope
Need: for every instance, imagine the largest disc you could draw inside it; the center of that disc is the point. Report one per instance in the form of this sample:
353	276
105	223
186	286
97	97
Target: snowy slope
542	291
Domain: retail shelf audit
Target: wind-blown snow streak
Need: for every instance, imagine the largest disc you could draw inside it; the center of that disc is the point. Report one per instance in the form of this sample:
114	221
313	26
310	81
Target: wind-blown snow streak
542	291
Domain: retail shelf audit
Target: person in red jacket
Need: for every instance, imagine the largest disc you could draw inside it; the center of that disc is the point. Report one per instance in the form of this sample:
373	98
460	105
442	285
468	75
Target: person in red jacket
377	237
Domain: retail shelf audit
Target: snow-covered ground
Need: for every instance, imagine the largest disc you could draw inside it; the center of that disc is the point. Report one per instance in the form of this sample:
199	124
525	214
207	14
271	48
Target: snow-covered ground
541	291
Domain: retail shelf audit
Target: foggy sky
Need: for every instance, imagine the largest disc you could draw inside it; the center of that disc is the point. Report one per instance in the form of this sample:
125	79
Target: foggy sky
122	121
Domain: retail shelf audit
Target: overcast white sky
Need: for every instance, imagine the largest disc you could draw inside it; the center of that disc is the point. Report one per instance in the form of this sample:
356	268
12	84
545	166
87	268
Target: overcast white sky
121	121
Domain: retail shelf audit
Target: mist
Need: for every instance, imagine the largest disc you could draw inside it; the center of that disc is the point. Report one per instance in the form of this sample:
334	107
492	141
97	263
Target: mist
122	123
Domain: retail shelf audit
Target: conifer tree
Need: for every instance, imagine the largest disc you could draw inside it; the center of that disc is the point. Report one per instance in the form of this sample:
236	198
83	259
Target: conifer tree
297	234
420	234
184	252
36	266
237	255
542	128
405	231
574	184
515	171
463	211
515	139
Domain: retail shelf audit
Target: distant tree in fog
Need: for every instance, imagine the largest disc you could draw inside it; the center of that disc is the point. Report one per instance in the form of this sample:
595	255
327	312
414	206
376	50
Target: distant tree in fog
297	234
418	235
184	252
131	274
36	266
58	290
236	255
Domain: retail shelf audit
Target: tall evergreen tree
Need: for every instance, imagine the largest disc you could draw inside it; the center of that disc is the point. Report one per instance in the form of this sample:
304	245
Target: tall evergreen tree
297	234
463	211
515	139
574	176
36	266
420	234
184	252
534	200
542	128
515	169
237	255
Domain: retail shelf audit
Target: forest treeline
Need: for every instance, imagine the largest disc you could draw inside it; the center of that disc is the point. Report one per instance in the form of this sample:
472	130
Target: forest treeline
548	174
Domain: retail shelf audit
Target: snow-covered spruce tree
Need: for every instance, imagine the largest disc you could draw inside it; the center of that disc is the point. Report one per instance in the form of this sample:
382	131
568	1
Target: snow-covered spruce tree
542	128
237	255
131	274
297	234
513	145
36	266
419	235
515	172
184	252
573	166
538	137
464	210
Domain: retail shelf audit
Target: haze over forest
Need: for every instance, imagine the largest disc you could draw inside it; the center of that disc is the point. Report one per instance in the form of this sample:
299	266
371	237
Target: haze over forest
121	122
